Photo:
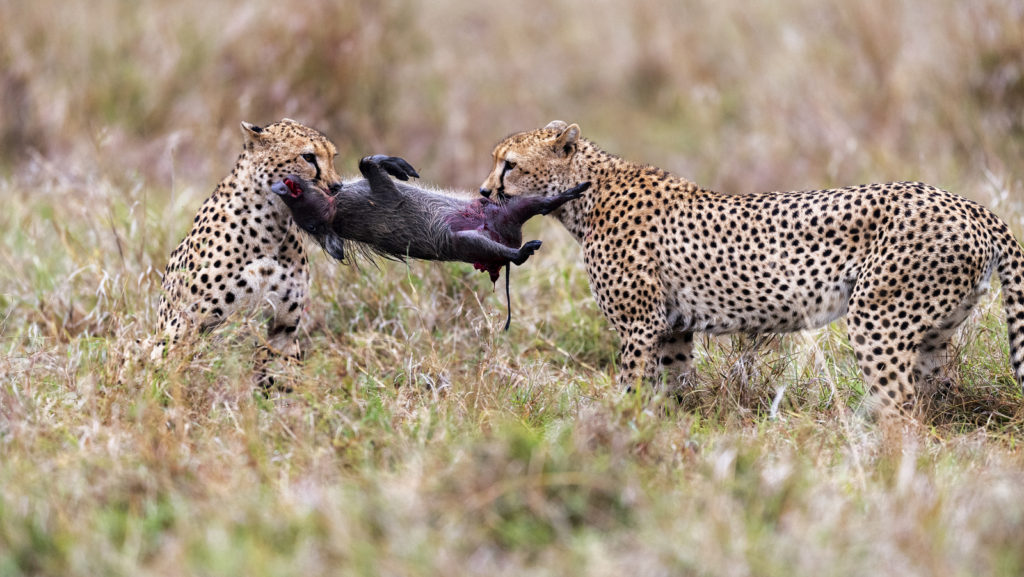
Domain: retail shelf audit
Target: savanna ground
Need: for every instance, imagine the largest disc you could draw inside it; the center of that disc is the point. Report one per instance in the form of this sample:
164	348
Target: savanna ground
420	439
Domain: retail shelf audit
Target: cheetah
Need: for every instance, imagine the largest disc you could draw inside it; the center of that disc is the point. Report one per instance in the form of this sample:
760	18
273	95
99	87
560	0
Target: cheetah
904	262
244	252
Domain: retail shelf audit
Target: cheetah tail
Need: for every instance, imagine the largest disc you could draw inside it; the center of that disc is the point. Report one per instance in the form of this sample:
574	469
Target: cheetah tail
1011	276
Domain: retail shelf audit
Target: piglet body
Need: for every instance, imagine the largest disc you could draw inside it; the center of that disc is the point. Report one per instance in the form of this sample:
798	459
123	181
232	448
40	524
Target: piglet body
398	220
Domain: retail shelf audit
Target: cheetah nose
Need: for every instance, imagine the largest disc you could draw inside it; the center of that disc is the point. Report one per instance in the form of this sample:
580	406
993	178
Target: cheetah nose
486	192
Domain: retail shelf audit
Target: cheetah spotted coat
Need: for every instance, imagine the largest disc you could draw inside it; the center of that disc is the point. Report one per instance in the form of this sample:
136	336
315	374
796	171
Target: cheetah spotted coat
244	252
905	262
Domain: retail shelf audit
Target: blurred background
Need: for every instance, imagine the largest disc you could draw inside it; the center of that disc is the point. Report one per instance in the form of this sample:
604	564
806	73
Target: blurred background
740	96
420	434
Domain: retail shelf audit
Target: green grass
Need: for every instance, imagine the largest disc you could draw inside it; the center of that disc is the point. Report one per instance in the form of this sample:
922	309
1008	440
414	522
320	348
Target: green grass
422	439
419	438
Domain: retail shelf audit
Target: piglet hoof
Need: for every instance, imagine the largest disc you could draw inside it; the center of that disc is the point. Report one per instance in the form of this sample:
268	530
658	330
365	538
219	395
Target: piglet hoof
393	165
554	202
526	251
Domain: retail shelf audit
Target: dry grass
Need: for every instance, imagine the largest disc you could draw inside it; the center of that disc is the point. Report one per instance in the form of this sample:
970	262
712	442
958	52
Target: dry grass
420	439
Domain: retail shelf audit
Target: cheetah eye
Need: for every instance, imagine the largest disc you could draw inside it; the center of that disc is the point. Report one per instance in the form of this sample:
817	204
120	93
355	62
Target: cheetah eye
509	165
309	157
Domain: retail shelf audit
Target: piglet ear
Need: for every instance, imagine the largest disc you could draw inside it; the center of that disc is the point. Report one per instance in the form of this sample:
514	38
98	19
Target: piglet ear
335	246
565	143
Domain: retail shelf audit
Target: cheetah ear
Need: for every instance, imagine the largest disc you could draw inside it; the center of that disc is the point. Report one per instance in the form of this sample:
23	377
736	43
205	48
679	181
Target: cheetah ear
557	125
253	134
565	144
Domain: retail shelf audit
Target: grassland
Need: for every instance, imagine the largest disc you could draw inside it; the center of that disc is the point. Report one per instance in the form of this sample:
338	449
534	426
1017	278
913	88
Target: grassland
420	439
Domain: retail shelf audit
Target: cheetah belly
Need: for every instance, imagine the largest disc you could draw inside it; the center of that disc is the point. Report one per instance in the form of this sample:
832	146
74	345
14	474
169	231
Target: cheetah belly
719	312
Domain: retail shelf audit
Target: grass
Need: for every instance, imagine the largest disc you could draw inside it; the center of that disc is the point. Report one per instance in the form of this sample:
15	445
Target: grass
420	439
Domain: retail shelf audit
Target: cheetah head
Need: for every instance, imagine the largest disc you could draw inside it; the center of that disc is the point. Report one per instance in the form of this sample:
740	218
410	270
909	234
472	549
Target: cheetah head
287	147
537	162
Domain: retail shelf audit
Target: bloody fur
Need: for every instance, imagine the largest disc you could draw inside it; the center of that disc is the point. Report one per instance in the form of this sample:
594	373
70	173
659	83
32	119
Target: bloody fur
398	220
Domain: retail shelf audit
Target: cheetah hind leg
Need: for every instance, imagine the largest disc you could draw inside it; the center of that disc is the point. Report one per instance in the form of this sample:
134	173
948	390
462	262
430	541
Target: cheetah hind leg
886	358
888	371
933	353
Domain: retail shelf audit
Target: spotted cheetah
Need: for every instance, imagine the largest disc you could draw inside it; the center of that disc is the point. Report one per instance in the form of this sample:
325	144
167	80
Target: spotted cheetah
244	252
904	261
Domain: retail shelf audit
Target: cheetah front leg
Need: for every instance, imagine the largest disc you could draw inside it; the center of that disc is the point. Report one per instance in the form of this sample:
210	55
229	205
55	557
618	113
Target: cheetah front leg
631	299
282	338
675	357
265	284
638	367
